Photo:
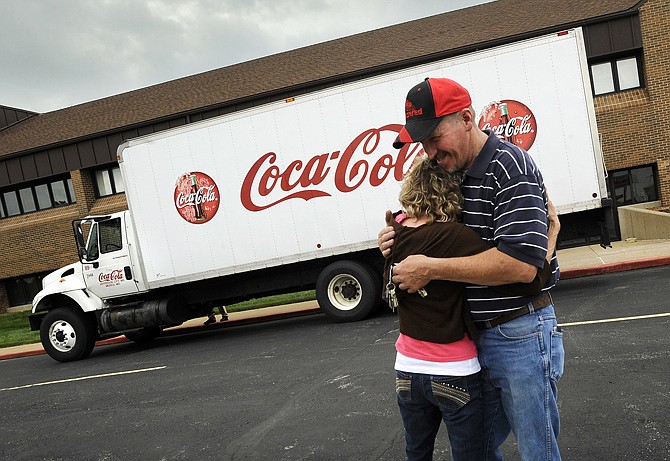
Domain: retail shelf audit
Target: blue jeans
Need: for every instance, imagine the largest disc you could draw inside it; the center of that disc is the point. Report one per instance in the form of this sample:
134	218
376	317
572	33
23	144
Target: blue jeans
522	361
426	400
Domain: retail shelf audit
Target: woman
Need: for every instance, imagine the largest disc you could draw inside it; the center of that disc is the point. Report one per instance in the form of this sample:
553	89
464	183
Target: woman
437	371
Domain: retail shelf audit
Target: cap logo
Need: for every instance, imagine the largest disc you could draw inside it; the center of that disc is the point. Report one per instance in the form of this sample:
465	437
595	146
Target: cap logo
411	111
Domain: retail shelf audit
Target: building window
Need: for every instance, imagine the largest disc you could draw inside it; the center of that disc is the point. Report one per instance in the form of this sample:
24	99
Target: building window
11	203
108	181
634	185
614	51
27	200
22	290
36	197
628	71
43	197
617	74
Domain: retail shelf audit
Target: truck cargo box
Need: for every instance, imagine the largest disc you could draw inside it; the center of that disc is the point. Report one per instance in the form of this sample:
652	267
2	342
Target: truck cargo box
311	176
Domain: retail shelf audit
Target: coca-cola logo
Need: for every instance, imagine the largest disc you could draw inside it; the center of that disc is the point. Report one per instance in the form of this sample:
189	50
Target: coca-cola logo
366	160
510	120
113	276
196	197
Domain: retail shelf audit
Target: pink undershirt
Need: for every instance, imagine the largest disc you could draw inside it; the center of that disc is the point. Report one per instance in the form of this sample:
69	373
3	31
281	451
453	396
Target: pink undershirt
463	349
454	359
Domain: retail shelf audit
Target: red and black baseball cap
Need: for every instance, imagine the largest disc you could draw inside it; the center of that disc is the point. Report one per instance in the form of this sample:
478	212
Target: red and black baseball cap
425	106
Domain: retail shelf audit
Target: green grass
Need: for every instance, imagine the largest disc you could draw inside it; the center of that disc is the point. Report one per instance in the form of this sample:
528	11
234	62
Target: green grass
269	301
15	329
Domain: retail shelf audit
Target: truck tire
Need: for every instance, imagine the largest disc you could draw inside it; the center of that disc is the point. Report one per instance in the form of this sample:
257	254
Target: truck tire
143	335
68	334
348	291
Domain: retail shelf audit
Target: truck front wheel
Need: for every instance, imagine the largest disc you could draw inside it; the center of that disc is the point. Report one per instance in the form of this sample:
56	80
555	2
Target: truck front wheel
348	291
67	334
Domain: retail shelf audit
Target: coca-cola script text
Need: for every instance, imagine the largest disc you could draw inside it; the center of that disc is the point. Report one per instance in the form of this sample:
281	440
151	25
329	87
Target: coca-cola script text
360	162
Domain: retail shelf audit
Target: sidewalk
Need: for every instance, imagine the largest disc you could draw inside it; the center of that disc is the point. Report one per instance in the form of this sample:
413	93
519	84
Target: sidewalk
622	256
574	262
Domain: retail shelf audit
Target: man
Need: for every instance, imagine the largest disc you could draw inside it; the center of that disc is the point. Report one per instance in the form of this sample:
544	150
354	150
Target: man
520	346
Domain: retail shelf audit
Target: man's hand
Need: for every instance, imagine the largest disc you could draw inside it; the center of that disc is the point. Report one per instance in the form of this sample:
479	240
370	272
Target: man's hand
412	273
386	236
554	222
553	230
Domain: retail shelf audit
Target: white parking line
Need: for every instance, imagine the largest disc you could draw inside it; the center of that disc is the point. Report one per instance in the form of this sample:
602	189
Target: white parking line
81	378
620	319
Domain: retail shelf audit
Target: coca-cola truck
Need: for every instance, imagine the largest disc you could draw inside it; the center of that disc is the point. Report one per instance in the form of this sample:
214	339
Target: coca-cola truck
290	195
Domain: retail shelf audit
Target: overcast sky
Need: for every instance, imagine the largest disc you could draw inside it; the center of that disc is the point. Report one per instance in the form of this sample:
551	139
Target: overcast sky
59	53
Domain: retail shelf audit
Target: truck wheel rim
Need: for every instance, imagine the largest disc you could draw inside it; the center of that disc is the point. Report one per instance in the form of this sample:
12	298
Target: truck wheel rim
62	336
344	292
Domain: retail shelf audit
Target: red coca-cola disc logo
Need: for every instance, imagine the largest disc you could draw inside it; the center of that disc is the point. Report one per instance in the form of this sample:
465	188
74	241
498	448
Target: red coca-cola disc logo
510	120
196	197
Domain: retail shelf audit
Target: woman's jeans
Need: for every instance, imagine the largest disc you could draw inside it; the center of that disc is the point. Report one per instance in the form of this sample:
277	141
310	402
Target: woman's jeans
522	361
426	400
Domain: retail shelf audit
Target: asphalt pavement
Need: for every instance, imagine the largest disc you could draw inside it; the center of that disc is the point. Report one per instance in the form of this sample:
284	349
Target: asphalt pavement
574	262
306	388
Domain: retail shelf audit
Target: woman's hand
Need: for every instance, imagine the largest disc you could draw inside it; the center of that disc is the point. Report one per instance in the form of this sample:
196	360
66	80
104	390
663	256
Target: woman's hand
386	236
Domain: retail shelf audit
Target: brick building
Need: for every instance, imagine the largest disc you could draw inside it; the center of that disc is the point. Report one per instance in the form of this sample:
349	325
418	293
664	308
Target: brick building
61	165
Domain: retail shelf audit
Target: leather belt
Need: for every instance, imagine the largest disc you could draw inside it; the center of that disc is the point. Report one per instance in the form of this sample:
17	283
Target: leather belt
540	302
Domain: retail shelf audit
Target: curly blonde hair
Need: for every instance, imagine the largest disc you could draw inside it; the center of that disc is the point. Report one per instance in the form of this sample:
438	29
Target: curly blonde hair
429	191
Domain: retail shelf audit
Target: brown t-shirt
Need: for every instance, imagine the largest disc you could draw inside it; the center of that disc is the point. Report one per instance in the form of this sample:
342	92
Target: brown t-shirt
442	316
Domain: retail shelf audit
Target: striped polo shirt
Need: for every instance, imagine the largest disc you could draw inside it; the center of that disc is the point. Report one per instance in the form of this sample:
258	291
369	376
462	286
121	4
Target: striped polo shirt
505	203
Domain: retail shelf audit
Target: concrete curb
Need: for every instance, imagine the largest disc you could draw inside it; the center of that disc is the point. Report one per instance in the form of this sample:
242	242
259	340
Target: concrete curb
37	349
615	267
15	355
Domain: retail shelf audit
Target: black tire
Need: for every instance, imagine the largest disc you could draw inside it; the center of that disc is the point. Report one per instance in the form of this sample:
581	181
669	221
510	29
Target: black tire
143	335
348	291
68	334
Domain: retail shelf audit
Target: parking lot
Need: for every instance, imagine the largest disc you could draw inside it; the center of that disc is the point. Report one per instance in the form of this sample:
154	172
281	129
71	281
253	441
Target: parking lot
306	388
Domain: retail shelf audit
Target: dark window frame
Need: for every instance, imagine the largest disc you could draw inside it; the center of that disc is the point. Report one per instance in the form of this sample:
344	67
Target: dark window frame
66	182
612	60
110	174
613	177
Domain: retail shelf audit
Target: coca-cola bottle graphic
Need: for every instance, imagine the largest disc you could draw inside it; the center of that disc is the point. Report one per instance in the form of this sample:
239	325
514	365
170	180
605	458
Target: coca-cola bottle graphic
504	123
196	197
197	205
510	120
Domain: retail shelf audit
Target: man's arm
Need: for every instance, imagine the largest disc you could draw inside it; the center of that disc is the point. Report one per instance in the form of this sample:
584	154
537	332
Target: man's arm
491	267
530	289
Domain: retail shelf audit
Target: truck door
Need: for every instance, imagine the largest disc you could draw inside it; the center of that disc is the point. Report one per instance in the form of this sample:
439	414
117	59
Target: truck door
106	260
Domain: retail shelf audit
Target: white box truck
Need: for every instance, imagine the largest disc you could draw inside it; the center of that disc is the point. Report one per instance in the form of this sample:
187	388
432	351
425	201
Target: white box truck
290	195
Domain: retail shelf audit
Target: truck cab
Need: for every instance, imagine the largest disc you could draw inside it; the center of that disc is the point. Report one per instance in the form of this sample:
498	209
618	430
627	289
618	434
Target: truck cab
84	301
107	255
